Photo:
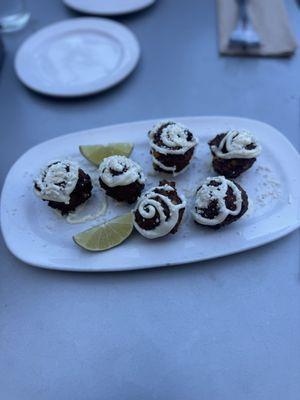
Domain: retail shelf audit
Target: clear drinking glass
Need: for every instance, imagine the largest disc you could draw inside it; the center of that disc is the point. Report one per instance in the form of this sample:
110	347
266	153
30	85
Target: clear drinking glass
13	15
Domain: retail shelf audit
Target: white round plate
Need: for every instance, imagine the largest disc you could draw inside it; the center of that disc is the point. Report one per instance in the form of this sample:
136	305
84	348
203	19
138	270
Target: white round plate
77	57
37	235
108	7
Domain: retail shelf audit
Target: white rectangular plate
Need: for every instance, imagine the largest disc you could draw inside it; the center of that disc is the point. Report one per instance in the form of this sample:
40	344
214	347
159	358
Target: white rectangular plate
37	235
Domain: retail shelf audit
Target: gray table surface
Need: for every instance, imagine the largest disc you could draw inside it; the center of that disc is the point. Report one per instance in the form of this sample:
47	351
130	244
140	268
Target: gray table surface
224	329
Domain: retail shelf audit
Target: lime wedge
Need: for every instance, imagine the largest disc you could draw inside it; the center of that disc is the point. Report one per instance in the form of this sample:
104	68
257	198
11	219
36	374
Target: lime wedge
96	153
105	236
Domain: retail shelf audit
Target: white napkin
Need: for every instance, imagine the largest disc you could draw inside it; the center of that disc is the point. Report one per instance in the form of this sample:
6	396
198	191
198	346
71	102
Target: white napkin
269	19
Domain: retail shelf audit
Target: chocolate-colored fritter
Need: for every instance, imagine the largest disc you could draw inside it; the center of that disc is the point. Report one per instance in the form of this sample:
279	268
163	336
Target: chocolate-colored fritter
128	193
177	161
149	224
212	210
230	168
80	194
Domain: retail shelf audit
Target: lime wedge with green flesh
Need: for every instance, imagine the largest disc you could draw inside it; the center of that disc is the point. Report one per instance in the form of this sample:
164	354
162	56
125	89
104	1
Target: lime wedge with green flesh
106	236
96	153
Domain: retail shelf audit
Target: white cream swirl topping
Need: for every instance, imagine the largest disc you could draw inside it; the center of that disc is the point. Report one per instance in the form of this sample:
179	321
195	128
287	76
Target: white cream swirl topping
148	206
175	138
236	143
57	181
120	171
214	190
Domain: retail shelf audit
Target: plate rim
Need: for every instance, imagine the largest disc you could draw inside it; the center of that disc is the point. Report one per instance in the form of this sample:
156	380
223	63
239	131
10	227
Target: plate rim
48	265
71	24
137	8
